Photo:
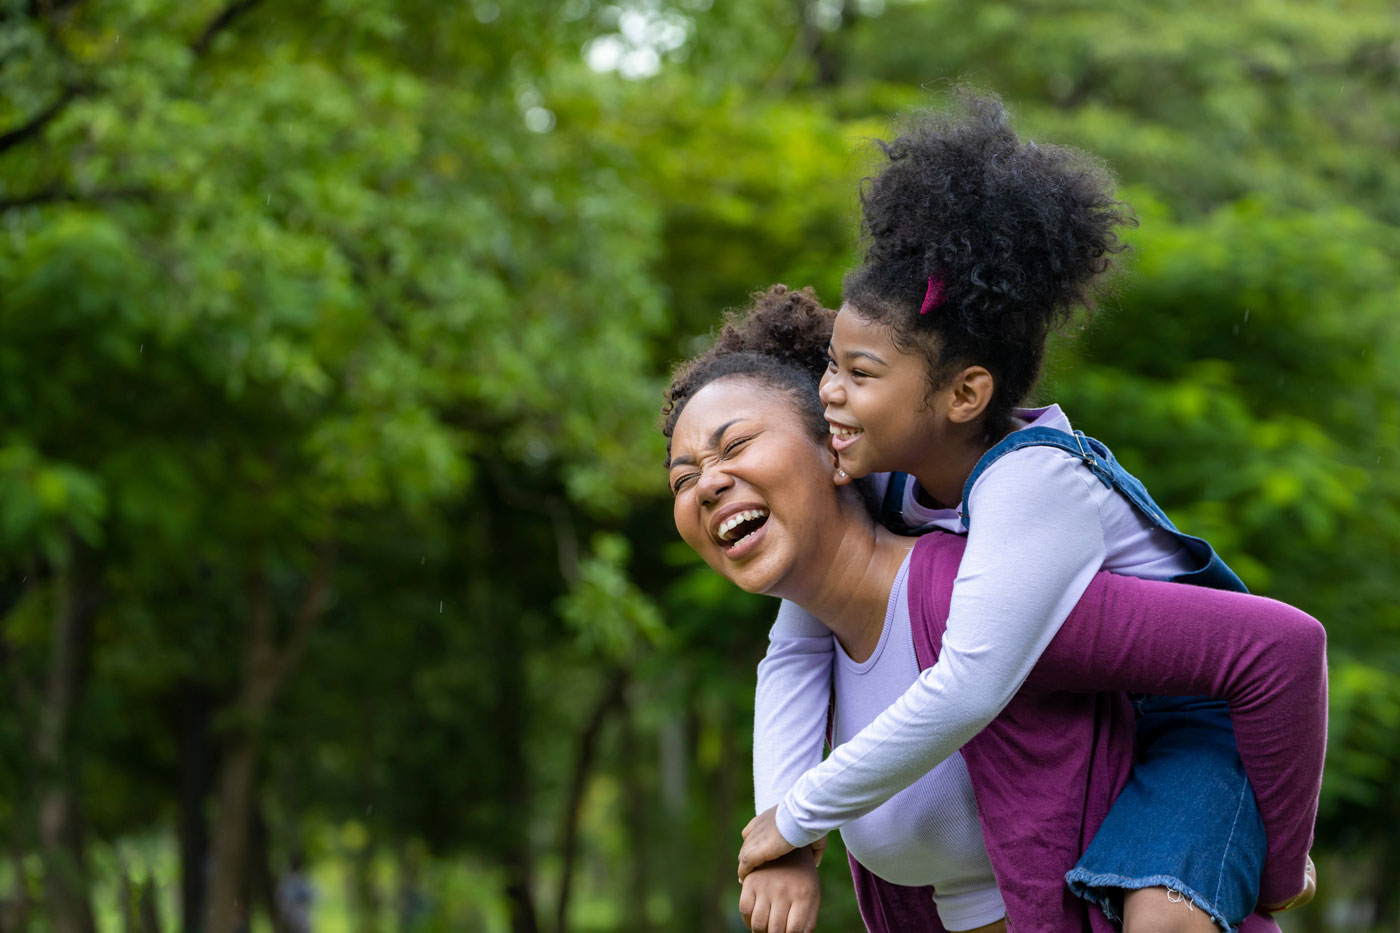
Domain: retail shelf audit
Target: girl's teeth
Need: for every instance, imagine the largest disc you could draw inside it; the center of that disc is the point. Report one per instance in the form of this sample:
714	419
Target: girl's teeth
844	432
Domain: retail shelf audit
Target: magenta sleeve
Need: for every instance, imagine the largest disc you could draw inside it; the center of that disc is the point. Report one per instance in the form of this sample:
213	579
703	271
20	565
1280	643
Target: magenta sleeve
1265	657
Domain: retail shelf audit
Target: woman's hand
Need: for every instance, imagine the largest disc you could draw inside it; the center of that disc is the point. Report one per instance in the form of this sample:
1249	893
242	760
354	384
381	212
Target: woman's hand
762	843
782	896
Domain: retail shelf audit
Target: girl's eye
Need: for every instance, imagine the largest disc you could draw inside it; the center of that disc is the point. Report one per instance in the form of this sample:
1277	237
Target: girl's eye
860	373
830	365
681	483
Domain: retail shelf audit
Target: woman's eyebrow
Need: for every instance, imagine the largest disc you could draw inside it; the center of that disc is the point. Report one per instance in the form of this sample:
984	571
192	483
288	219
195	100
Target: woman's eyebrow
686	459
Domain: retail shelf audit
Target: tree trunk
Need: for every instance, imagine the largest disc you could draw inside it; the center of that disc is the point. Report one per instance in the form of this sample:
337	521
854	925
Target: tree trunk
229	910
583	765
637	823
196	782
719	886
267	665
14	917
509	716
263	879
147	911
60	831
365	899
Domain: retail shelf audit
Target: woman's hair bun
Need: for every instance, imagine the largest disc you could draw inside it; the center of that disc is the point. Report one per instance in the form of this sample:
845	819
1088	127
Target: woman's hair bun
789	325
781	338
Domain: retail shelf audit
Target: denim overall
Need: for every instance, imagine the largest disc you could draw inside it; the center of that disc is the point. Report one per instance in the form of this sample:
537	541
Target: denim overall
1187	819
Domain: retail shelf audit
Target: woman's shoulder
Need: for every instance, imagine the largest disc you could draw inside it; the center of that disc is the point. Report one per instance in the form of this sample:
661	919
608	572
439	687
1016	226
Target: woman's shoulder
933	568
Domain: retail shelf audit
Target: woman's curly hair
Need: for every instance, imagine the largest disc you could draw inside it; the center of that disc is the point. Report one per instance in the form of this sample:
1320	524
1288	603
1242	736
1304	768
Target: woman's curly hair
1018	234
781	339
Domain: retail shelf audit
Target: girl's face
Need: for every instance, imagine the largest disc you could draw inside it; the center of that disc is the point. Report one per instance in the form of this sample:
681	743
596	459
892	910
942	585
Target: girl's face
754	491
878	404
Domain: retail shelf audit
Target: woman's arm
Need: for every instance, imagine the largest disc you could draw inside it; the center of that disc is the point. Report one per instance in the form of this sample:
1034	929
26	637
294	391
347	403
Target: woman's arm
790	704
1266	658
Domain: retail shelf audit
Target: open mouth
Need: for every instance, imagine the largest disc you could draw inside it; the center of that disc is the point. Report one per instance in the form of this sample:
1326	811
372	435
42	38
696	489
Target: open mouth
737	529
843	435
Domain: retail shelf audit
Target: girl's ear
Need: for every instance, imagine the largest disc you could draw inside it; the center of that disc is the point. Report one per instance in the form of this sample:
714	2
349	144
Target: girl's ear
969	394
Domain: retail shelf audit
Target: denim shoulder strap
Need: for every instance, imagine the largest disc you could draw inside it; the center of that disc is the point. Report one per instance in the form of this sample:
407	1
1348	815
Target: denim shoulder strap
892	506
1209	570
1095	456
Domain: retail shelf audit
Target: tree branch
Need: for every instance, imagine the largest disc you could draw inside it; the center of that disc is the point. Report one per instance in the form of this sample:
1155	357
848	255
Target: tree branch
53	195
313	606
218	24
36	124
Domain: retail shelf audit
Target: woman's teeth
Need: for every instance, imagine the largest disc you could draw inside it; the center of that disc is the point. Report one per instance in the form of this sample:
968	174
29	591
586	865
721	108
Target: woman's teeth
732	523
841	431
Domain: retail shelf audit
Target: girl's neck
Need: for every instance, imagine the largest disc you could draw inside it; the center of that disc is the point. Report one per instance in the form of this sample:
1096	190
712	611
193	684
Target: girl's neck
852	595
944	473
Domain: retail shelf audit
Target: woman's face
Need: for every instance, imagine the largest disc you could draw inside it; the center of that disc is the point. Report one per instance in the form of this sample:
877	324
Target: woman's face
754	491
877	400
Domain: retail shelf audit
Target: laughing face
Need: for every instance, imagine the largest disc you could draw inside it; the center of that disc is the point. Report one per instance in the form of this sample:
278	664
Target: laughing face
753	488
878	405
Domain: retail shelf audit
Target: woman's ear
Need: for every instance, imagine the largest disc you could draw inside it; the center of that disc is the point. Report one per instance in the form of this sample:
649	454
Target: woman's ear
839	476
969	394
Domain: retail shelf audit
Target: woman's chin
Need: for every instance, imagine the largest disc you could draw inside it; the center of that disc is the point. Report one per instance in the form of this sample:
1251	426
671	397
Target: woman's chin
758	563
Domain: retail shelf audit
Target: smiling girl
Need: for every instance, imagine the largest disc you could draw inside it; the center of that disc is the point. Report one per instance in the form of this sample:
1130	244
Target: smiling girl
977	246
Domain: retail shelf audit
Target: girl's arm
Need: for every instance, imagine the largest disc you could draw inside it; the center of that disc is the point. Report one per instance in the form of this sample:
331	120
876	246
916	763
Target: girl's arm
1266	658
1035	542
790	704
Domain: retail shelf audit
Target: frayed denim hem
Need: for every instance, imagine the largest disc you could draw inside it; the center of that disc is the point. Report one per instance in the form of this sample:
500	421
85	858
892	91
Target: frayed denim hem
1091	887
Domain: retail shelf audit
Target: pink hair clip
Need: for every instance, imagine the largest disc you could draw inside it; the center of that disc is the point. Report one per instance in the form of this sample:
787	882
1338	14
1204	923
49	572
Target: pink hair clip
933	297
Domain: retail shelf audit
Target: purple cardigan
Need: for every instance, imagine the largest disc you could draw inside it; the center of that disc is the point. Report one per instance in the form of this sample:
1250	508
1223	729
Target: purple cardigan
1047	769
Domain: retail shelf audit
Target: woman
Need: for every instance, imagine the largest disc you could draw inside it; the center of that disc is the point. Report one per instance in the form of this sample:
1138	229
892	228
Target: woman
755	495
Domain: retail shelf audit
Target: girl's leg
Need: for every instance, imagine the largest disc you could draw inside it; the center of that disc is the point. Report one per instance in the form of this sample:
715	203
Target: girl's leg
1182	847
1159	910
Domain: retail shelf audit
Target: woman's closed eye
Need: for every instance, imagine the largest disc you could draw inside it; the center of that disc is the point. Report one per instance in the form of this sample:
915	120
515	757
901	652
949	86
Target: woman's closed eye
729	450
734	445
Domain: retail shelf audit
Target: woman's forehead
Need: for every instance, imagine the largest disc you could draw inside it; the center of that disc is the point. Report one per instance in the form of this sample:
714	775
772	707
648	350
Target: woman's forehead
726	401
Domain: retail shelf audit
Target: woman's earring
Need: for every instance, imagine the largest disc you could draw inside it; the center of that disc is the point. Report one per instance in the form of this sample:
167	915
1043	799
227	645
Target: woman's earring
841	474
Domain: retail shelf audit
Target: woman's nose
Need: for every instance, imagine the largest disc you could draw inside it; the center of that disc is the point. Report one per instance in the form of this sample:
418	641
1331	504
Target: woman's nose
714	482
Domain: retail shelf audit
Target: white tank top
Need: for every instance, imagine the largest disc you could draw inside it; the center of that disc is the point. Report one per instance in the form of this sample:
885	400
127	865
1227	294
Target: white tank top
928	833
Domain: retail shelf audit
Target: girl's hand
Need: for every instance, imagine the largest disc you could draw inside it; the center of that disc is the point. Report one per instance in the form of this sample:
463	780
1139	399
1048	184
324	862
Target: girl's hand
762	843
782	896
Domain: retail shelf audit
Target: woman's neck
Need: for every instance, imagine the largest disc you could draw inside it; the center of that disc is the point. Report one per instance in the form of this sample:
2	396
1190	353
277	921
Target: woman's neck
852	596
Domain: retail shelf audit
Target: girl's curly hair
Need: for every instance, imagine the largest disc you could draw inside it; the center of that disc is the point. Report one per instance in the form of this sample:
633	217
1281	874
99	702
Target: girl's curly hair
780	339
1018	234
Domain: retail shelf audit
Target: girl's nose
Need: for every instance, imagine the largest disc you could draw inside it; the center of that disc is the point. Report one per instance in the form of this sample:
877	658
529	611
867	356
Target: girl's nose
830	389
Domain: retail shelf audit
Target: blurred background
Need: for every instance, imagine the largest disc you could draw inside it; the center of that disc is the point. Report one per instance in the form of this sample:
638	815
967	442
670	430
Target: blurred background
336	562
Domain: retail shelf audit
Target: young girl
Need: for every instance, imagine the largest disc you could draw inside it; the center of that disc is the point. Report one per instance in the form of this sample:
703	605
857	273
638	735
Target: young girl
977	245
